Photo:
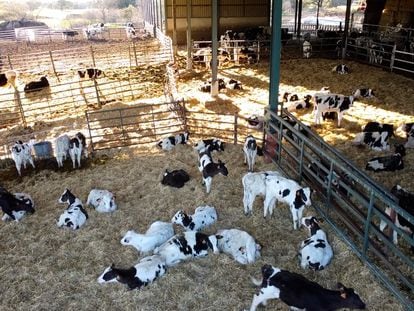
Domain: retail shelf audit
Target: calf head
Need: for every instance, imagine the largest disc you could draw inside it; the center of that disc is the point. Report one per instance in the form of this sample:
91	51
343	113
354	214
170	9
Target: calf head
179	218
67	197
126	240
302	198
108	276
267	271
311	223
222	169
351	299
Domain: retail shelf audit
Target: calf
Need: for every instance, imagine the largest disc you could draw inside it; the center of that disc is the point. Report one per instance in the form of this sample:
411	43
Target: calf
250	150
405	201
145	272
234	85
75	215
22	154
158	233
341	69
377	141
307	49
315	252
90	73
190	244
255	122
299	293
206	87
388	163
238	244
209	169
8	78
247	54
61	149
34	86
203	216
130	31
102	200
170	142
299	104
213	144
379	127
408	128
289	192
376	54
331	102
365	93
77	145
254	184
94	32
176	178
15	206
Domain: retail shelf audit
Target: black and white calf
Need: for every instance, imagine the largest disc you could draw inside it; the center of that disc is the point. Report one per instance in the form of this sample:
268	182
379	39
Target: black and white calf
238	244
170	142
15	206
299	293
405	201
341	69
22	154
102	200
75	215
213	144
376	54
298	104
158	233
8	78
94	32
34	86
377	141
203	216
255	121
315	252
206	86
331	102
365	93
190	244
373	126
77	145
234	85
90	73
307	49
389	163
287	191
145	272
175	178
408	128
251	150
209	169
130	31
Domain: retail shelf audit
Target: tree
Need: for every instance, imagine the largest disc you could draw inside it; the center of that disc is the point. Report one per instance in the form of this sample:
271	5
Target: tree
103	6
13	10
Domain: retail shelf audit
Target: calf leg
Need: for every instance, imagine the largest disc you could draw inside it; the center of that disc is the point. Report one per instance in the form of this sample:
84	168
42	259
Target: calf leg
78	156
266	293
207	182
248	200
267	205
18	167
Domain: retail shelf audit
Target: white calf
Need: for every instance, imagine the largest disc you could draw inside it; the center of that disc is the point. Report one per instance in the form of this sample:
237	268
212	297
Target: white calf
102	200
61	149
21	154
315	252
289	192
158	233
203	216
254	184
238	244
145	272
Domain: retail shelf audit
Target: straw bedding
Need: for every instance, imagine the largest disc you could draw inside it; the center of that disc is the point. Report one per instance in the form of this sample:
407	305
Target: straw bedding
47	268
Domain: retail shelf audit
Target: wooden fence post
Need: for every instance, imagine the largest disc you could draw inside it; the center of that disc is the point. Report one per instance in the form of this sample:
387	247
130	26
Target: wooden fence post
89	129
135	55
93	57
129	54
97	93
10	63
53	65
19	104
235	128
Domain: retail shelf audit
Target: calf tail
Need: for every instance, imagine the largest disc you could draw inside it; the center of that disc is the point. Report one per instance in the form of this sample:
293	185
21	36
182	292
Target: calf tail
256	281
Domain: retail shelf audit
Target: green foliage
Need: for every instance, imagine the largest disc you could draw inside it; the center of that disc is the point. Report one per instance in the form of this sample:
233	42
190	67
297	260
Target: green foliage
125	4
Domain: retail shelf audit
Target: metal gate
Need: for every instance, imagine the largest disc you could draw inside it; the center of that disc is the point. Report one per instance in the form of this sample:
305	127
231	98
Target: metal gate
351	202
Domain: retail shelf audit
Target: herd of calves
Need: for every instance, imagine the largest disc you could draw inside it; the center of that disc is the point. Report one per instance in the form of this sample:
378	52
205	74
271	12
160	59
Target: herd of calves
162	248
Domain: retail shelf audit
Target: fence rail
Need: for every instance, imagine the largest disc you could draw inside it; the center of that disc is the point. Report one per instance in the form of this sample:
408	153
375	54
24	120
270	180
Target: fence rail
350	200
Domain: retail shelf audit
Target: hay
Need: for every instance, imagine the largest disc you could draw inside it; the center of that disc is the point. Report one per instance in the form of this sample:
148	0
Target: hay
50	268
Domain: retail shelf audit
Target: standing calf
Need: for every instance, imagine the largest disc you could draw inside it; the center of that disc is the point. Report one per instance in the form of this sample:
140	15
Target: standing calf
209	169
250	150
21	154
299	293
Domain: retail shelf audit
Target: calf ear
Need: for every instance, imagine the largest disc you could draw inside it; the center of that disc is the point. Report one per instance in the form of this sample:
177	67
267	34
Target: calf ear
219	236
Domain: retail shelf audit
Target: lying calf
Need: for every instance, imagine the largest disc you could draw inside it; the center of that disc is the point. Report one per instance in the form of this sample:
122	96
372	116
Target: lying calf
145	272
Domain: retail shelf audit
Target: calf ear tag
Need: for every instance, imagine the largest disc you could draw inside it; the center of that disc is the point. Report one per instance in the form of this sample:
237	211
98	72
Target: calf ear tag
343	295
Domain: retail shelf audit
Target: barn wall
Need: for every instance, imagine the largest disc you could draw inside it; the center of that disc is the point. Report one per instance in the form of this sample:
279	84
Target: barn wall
234	14
398	11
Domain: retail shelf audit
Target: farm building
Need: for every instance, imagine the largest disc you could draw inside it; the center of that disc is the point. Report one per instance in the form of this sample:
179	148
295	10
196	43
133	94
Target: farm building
134	99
